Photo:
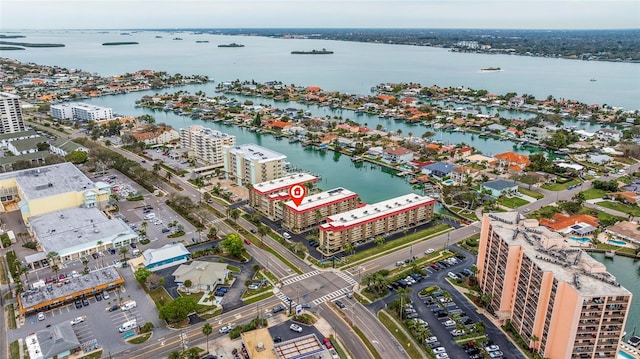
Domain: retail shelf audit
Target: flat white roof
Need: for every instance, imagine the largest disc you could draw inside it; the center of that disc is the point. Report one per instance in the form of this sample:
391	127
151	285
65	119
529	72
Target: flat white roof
206	132
376	210
61	230
165	252
321	199
254	152
284	182
50	180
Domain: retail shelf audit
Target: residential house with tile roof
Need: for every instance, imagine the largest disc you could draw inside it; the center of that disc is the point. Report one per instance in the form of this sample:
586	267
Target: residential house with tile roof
397	154
510	158
580	224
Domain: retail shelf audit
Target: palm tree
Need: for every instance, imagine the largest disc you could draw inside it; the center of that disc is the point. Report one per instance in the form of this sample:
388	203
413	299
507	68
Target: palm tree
52	257
368	278
55	269
144	226
234	213
404	295
156	167
99	243
85	261
348	248
263	231
174	355
379	241
168	175
207	330
124	251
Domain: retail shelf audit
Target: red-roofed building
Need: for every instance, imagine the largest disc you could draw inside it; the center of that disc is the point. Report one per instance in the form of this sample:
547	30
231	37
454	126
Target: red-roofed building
266	196
577	224
397	154
509	158
386	98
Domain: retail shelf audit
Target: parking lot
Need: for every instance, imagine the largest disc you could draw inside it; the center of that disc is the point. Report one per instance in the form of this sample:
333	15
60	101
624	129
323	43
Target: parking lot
450	315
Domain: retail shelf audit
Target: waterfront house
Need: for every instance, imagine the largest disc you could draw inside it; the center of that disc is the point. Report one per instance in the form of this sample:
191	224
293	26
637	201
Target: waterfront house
536	133
516	101
626	231
510	158
494	127
461	174
598	159
481	159
500	187
397	154
630	197
579	224
607	134
438	170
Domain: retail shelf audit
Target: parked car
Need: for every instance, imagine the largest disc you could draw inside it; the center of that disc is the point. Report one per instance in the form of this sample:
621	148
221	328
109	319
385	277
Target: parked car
41	316
286	235
98	297
496	354
442	356
113	308
77	320
492	348
85	302
439	350
105	294
277	339
327	343
431	340
78	304
457	332
295	328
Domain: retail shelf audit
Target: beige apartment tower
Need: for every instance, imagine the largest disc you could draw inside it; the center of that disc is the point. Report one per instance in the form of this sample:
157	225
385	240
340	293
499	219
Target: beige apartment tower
560	300
10	114
251	164
206	144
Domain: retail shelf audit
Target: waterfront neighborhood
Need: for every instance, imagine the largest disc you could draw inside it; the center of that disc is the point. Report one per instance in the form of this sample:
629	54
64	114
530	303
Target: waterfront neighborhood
188	243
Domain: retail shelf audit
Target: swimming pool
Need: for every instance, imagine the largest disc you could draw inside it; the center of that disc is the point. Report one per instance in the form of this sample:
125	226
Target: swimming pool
448	182
580	239
617	243
623	355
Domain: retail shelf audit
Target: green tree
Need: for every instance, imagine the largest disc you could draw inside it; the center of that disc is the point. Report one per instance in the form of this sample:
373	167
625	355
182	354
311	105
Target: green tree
234	214
187	283
124	251
52	257
207	330
404	295
142	273
178	309
233	245
263	231
379	241
77	157
213	232
174	355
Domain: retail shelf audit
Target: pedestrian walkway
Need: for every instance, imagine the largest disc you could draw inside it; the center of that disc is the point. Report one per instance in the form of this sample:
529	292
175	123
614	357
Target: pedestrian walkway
285	299
331	296
300	277
347	278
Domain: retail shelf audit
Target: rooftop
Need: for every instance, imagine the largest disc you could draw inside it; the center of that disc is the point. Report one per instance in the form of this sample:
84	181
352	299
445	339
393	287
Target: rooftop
6	95
201	272
500	184
551	252
298	348
27	133
73	283
254	152
165	252
26	144
50	180
50	342
374	211
73	227
283	183
205	131
322	199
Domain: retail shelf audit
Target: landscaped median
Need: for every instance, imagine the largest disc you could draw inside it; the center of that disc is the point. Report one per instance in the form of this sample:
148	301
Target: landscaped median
408	343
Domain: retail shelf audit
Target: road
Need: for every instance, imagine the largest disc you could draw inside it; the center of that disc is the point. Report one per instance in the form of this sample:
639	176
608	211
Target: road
351	342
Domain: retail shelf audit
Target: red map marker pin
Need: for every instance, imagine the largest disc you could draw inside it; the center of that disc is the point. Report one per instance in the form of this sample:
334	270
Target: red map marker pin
297	193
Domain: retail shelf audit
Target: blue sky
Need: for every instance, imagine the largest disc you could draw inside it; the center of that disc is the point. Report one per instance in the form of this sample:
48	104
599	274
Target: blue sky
518	14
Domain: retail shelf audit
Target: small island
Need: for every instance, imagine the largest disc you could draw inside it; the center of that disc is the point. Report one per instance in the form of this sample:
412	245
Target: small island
312	52
27	44
233	44
117	43
491	69
202	41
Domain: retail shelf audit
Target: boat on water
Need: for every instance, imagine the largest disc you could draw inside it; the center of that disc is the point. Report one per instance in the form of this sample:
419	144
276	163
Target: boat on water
233	44
491	69
357	159
158	37
202	41
177	38
312	52
593	80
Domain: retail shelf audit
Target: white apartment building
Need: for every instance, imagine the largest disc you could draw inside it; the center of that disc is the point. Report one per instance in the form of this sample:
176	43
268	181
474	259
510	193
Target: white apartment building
80	111
206	144
250	164
10	114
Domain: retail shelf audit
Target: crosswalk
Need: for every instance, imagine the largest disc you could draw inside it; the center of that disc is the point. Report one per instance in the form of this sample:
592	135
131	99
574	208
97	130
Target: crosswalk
300	277
331	296
283	297
349	279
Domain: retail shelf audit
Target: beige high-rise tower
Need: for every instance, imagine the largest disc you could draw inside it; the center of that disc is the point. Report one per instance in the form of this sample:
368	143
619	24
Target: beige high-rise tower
10	114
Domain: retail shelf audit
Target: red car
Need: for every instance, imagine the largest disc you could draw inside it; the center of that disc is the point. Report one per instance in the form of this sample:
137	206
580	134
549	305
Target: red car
247	241
327	343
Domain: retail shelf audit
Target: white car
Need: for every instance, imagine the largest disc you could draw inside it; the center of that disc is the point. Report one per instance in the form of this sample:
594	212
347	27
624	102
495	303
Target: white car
496	355
78	320
457	332
41	316
296	328
431	340
429	251
449	323
286	235
492	348
442	356
439	350
226	329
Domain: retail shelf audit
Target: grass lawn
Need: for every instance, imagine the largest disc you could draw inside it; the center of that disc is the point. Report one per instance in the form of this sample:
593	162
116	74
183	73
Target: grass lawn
94	355
405	341
258	298
200	308
397	243
250	292
560	186
160	296
140	339
12	317
512	202
14	350
4	278
530	193
337	347
215	313
612	247
269	276
627	161
233	268
617	206
593	193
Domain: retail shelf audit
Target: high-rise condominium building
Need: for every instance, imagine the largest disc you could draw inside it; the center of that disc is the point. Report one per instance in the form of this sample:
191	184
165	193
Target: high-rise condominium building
267	197
80	111
251	164
205	143
561	301
315	208
10	113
